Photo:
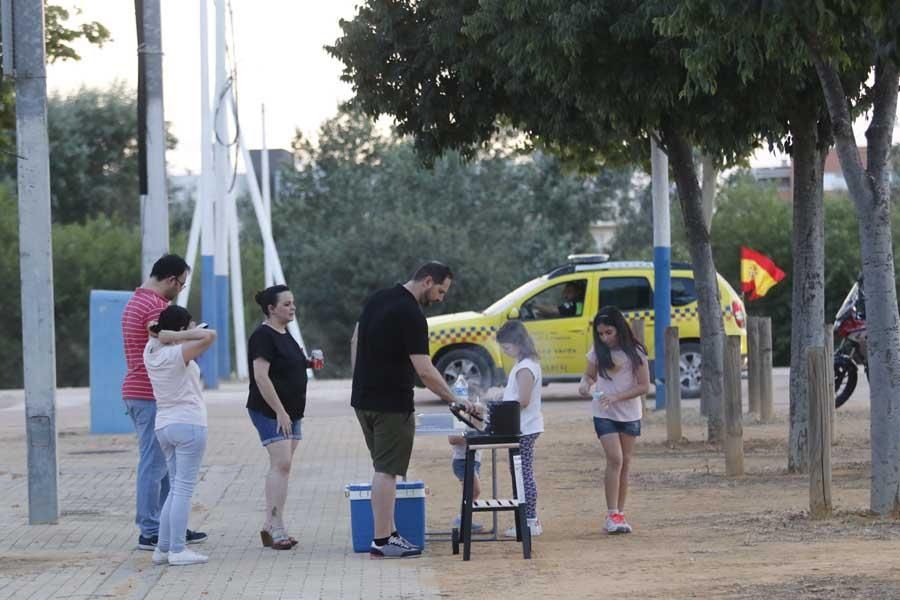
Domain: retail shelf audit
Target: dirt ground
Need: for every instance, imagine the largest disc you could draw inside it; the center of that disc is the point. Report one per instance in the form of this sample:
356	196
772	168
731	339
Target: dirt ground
697	533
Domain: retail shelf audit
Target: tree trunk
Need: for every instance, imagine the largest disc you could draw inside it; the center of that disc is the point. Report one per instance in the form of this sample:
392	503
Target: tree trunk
712	332
710	173
808	292
870	192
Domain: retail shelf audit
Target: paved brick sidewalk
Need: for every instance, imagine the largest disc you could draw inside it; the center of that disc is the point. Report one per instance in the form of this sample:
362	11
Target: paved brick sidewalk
92	552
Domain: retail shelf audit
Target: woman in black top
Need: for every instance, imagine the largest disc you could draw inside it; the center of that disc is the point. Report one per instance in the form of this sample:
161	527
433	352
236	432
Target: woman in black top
276	402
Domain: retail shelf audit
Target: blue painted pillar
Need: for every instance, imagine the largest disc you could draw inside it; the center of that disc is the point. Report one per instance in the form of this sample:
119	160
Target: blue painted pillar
224	326
662	266
107	362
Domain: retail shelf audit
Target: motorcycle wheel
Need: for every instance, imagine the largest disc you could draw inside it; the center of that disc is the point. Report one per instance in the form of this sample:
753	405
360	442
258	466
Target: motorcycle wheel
844	380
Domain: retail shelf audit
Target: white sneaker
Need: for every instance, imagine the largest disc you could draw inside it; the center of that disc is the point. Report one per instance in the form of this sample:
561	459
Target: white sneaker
615	523
160	557
534	525
476	527
186	557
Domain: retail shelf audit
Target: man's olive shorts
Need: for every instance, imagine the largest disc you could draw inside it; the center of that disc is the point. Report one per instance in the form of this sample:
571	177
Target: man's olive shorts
389	437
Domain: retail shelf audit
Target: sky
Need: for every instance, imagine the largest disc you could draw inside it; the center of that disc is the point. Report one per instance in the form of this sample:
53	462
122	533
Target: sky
279	59
280	62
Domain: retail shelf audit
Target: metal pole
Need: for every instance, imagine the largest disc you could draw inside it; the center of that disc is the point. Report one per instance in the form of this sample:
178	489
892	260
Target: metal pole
155	213
265	230
266	197
662	265
191	254
209	361
237	290
223	177
35	259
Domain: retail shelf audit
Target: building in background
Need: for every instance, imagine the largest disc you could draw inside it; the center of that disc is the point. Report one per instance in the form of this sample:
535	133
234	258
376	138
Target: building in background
603	233
183	187
782	176
278	161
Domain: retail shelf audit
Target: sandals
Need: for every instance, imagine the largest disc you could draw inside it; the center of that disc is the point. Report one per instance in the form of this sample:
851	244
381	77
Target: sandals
279	541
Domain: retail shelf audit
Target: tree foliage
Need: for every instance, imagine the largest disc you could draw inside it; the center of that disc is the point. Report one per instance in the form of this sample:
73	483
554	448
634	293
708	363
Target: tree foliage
362	213
846	43
592	80
61	44
96	254
93	155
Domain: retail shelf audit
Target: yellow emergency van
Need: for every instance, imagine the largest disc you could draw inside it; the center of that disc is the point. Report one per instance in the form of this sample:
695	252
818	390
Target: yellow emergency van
558	308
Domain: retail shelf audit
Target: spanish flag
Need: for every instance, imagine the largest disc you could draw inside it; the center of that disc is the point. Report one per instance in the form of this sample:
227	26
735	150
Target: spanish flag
758	273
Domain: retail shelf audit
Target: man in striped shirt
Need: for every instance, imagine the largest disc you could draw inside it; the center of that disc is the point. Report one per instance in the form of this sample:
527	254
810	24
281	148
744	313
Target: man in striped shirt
167	277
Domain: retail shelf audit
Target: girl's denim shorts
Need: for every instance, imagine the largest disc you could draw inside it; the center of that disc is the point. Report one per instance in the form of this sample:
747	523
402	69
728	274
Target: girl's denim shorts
607	426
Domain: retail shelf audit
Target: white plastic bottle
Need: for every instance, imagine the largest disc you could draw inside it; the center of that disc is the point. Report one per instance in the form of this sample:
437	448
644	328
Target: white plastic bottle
460	390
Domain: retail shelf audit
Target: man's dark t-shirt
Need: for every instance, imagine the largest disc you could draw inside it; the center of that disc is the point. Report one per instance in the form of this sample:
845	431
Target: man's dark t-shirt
391	328
287	370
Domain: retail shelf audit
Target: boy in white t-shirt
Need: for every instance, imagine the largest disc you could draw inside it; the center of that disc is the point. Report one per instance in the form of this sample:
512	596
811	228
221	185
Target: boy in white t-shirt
524	386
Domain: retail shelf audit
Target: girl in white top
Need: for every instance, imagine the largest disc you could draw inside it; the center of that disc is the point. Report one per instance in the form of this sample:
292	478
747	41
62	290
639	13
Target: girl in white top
180	423
618	373
524	386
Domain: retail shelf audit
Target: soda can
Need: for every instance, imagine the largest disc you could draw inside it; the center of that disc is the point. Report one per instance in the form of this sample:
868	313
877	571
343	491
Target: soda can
318	359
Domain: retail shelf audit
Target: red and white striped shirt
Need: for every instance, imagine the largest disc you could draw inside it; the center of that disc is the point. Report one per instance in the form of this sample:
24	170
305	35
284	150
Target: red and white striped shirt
143	307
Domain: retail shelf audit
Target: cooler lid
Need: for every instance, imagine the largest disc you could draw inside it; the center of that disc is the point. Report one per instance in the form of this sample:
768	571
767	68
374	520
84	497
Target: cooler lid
405	489
401	485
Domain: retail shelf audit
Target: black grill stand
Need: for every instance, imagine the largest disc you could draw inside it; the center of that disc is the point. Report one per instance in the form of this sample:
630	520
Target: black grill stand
479	441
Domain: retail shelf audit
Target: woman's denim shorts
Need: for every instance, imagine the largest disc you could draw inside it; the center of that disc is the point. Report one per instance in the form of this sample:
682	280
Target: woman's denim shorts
607	426
267	428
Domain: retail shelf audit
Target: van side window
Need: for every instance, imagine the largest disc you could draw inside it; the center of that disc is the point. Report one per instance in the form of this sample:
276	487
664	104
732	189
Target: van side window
683	291
626	293
557	302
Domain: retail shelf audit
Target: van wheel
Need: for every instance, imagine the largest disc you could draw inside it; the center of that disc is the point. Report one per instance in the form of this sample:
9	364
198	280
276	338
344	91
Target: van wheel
689	368
471	364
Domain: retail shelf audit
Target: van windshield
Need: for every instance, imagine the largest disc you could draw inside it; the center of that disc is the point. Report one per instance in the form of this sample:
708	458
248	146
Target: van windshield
508	301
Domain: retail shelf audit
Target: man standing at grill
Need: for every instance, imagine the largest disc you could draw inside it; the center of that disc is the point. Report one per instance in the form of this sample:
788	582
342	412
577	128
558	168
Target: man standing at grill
388	349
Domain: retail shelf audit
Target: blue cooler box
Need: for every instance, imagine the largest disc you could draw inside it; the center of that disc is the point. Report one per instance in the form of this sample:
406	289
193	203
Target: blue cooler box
409	513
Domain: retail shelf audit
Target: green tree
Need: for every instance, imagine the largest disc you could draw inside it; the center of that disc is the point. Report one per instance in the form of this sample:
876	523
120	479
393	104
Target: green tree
844	42
590	80
93	155
10	310
794	96
97	254
61	40
362	213
634	229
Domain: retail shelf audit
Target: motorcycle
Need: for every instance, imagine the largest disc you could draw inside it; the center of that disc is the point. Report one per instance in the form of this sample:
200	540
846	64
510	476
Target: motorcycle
851	353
